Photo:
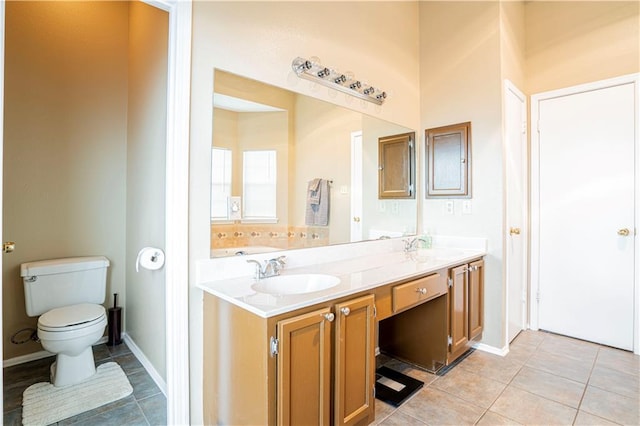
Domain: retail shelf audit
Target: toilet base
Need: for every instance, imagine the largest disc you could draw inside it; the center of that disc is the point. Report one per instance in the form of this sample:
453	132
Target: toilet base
69	370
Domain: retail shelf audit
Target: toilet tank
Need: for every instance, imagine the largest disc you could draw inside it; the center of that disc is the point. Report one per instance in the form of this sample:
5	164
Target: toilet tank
55	283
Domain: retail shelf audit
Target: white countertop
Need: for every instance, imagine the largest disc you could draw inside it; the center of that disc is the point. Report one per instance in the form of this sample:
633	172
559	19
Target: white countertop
356	274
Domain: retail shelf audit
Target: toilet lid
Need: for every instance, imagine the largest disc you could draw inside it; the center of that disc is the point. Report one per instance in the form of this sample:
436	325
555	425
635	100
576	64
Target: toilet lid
71	315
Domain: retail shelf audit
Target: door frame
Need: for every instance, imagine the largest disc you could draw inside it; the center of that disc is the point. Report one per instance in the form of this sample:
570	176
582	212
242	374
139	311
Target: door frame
524	233
177	208
2	8
535	193
356	186
176	205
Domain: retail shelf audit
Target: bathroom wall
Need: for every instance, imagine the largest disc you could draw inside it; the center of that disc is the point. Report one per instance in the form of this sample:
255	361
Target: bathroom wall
378	41
145	185
64	143
512	42
461	81
569	43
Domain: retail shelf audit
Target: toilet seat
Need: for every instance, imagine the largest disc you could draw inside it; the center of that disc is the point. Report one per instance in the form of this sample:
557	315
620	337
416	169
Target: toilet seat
71	318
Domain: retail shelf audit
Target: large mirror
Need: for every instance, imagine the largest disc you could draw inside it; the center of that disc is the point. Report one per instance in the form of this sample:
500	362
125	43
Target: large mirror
290	171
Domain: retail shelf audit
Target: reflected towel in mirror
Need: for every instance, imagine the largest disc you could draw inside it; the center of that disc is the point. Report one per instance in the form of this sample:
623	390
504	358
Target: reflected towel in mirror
317	209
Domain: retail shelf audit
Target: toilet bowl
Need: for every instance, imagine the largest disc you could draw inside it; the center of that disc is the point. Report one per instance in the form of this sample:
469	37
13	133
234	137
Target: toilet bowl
67	294
69	332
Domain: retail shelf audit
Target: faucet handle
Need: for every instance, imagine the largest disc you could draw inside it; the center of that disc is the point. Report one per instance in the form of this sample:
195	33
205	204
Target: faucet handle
408	244
259	270
282	260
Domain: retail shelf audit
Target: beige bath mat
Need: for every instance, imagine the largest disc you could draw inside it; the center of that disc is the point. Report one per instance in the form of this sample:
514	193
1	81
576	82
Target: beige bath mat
43	403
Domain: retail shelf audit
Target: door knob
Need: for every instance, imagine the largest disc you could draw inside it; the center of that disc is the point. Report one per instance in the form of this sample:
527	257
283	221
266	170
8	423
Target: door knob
514	231
623	232
8	247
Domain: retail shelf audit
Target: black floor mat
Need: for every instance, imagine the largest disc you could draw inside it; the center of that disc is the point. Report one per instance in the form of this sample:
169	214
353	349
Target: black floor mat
393	387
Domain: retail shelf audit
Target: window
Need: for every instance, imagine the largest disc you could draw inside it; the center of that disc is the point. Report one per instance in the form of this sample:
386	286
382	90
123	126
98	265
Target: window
259	184
220	182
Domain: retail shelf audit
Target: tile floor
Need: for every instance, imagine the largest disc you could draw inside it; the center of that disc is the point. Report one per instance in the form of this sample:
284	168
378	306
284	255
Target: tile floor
145	406
545	379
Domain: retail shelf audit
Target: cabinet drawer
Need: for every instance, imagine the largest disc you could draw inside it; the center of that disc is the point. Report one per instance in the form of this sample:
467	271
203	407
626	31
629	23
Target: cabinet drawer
418	291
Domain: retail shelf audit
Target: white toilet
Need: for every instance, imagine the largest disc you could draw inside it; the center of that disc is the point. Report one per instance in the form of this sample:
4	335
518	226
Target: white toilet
68	295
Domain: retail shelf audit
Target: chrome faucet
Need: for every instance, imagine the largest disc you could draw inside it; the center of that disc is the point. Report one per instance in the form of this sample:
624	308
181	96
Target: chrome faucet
412	244
270	268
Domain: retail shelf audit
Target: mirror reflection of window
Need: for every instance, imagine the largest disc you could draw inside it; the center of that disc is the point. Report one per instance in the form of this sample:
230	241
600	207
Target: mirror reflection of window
220	182
259	184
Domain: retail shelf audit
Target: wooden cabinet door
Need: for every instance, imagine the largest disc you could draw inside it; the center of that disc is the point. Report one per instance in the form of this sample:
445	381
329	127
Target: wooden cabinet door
396	166
304	369
476	298
458	311
354	361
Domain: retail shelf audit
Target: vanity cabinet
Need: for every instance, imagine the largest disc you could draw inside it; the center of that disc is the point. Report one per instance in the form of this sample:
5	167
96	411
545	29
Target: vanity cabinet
311	366
354	358
306	348
303	352
316	365
417	331
466	307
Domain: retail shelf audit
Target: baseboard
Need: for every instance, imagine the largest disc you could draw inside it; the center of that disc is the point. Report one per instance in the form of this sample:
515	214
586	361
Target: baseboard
137	352
491	349
36	356
25	358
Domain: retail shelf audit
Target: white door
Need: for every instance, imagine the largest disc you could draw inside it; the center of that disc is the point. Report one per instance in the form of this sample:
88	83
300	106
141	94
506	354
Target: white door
356	186
585	202
516	208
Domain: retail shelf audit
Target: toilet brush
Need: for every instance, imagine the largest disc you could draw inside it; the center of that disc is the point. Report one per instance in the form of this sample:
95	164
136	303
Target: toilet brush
115	323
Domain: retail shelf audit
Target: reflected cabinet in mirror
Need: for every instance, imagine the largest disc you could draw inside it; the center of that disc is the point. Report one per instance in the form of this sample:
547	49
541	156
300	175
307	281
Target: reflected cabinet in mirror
449	161
290	171
396	166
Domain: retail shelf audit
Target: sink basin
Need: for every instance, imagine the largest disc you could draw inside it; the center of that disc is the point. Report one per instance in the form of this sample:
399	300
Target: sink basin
295	284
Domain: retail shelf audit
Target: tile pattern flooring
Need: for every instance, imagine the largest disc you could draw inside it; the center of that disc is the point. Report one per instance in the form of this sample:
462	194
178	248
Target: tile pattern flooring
545	379
145	406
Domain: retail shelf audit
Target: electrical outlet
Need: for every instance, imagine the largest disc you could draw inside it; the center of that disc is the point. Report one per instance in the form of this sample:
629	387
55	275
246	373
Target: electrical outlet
448	207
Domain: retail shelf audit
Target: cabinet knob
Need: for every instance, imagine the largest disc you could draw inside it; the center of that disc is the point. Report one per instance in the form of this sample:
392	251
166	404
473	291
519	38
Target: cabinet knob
624	232
329	317
345	311
514	231
421	290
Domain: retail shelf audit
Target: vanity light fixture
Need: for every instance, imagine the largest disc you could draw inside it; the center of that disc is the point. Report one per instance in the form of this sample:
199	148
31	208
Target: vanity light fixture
312	70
